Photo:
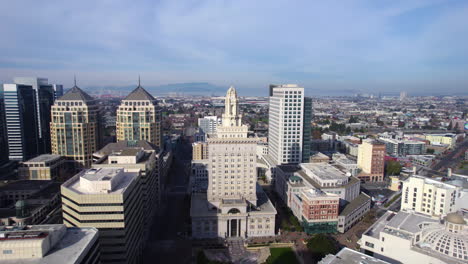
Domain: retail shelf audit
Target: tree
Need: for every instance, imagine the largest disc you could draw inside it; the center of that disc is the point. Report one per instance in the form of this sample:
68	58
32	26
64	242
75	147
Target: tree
316	134
393	167
430	151
321	245
449	126
353	119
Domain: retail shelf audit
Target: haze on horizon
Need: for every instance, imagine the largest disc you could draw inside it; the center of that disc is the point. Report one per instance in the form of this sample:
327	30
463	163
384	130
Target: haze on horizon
418	46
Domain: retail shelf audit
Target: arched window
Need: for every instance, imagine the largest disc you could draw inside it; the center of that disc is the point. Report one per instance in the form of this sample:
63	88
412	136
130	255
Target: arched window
234	211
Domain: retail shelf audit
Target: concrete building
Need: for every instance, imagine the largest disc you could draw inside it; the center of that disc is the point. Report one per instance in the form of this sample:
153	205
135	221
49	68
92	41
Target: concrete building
353	212
138	155
328	181
28	202
199	151
44	167
316	210
371	161
44	94
319	157
21	121
422	160
233	206
402	148
408	237
110	200
138	118
262	149
3	132
448	139
199	175
428	196
76	127
49	244
349	256
289	124
208	124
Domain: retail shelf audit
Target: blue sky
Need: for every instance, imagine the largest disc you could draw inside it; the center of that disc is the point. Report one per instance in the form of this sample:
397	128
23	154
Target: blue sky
326	46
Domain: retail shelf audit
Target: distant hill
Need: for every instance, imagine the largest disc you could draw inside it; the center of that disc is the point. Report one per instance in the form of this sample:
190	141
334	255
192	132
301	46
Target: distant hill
201	88
188	88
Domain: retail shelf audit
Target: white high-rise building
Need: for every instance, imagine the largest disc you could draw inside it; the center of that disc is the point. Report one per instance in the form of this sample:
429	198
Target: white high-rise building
233	206
208	124
289	124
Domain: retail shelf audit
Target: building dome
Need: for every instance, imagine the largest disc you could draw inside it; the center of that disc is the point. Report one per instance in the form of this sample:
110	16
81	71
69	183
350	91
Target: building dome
447	243
455	218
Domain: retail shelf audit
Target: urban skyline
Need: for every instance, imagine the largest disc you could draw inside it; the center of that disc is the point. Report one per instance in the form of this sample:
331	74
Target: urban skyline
260	132
404	45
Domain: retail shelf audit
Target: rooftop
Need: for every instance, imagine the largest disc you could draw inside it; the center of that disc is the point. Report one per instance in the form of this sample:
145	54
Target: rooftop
44	158
402	224
324	171
129	152
349	256
70	247
138	94
439	184
76	94
26	185
124	144
303	174
113	180
354	204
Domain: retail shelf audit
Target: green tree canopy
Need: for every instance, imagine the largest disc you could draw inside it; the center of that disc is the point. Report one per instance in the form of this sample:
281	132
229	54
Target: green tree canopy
393	167
321	245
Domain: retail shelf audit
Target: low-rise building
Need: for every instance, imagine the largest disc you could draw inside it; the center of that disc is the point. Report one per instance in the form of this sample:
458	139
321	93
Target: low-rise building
448	139
398	148
318	158
45	167
353	212
409	237
316	210
49	244
28	202
429	196
422	160
349	256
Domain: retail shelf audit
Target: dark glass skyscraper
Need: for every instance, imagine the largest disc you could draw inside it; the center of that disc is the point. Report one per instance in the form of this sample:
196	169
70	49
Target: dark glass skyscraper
45	95
21	121
3	134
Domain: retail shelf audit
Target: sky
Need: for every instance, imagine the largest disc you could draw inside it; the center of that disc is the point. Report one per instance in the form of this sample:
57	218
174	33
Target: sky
342	46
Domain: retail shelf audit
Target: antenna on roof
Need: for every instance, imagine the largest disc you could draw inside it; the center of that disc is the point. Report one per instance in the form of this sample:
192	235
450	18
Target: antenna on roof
139	80
74	79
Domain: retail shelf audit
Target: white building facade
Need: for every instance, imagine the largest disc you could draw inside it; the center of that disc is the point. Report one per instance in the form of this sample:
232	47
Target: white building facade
428	196
234	206
286	123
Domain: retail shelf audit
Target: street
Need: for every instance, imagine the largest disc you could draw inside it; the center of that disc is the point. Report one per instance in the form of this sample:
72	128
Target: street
167	242
452	159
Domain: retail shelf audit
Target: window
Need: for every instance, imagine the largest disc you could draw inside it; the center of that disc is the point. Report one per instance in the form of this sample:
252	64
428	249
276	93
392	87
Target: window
368	244
7	251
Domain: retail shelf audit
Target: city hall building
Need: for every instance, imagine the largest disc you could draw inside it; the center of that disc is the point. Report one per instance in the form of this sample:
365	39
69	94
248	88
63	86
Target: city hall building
234	205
